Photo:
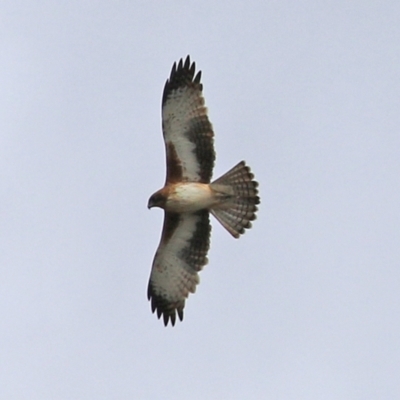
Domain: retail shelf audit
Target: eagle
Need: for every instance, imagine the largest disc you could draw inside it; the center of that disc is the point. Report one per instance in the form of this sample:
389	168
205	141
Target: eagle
188	196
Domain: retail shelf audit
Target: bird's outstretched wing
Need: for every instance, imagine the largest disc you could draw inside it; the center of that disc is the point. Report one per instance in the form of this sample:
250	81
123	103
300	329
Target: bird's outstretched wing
181	254
188	133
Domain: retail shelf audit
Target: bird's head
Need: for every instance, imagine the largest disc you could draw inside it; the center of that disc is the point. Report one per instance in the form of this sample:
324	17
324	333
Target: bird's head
157	199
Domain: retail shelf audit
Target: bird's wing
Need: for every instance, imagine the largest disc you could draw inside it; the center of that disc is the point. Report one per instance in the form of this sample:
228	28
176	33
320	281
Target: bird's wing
182	253
188	133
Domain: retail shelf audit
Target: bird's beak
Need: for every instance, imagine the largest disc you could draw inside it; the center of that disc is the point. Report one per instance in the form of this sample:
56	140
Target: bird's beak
150	204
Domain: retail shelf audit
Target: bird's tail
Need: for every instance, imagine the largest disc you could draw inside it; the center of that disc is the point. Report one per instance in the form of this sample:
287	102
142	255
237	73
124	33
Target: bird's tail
238	194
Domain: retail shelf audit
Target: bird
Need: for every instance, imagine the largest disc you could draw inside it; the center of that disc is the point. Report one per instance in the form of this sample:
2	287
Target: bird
189	197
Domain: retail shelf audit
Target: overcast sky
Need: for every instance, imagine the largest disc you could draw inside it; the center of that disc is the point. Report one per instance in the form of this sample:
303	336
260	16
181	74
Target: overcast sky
305	305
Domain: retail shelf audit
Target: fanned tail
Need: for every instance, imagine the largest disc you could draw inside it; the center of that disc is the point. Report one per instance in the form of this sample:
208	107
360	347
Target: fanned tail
238	195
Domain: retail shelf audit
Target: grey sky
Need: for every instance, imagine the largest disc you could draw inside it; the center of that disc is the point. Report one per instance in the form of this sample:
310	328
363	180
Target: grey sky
305	305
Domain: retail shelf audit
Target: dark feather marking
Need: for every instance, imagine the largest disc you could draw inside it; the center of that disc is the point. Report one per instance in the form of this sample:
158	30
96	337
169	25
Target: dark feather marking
197	79
195	253
174	166
201	133
171	222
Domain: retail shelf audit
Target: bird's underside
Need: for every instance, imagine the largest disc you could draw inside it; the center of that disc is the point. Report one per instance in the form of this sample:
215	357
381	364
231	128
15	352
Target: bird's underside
188	197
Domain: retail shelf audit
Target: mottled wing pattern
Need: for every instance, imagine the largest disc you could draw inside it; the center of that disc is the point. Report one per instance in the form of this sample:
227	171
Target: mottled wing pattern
188	133
182	253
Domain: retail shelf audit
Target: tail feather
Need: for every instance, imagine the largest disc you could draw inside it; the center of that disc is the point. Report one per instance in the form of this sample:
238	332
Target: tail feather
238	193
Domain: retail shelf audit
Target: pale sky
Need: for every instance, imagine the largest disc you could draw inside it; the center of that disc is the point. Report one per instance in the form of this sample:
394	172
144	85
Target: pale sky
305	305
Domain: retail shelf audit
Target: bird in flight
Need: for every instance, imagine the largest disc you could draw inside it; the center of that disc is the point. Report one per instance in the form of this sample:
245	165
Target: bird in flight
188	196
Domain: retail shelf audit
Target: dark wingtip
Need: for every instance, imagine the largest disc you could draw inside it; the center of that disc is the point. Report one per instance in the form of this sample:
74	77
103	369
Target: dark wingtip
162	308
182	74
166	318
173	71
197	78
187	62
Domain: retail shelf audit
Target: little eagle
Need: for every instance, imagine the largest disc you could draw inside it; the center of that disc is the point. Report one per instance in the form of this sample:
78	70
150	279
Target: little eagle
188	196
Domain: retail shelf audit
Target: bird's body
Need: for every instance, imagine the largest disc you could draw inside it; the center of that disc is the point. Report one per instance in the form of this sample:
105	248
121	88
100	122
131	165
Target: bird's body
188	196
